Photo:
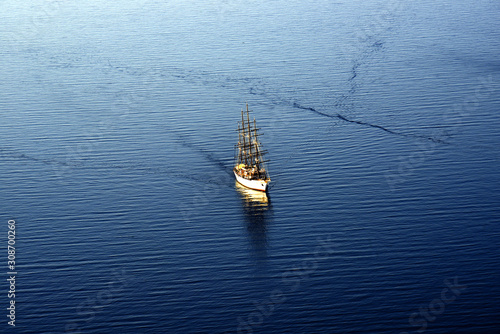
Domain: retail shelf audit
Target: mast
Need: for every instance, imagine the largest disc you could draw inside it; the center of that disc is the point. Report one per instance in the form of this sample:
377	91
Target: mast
240	152
257	150
243	137
250	137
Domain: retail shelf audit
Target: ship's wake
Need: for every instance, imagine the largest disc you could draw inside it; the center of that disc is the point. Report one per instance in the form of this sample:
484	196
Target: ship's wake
345	119
9	153
65	168
259	86
184	141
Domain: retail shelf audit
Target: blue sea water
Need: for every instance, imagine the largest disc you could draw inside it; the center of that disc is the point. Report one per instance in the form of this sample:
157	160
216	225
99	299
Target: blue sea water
117	134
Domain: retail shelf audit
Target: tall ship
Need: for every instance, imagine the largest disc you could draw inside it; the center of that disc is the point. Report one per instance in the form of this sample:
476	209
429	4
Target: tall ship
250	169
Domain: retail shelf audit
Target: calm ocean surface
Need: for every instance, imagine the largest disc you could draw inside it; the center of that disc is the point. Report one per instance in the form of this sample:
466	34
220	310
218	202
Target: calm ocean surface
117	134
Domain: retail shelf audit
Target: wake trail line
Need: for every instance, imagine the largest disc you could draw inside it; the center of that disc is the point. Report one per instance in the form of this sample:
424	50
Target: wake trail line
8	153
345	119
184	141
17	155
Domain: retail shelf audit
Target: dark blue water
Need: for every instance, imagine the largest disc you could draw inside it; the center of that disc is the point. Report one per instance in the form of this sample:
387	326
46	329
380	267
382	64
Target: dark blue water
117	129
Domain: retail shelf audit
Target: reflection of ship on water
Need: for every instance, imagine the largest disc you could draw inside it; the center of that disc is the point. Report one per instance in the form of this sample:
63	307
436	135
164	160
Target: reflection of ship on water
258	212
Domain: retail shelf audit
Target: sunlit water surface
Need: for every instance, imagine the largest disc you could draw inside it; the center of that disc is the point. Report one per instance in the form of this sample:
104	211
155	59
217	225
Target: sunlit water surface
117	134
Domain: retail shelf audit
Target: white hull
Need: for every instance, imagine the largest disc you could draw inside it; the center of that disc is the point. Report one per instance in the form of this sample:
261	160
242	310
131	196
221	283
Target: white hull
252	184
252	197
